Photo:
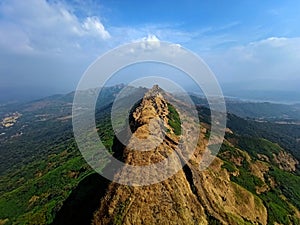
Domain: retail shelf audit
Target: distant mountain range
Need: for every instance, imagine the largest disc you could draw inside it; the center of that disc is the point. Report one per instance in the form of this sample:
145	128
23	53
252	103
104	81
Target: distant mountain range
30	93
268	111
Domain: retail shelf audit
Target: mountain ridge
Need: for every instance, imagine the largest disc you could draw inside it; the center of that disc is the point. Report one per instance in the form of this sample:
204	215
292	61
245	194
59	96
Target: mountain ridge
158	203
187	197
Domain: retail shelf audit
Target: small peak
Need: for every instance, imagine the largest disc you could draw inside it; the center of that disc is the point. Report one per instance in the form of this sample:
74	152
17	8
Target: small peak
153	105
156	88
154	91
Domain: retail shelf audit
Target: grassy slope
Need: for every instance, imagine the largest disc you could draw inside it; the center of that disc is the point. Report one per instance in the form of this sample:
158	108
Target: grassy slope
281	199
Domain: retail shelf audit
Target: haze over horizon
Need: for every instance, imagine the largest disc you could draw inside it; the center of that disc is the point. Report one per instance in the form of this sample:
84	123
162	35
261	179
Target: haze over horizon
253	47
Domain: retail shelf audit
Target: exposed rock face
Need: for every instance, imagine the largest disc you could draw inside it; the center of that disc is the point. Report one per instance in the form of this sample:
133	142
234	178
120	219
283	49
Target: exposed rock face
285	161
189	196
226	201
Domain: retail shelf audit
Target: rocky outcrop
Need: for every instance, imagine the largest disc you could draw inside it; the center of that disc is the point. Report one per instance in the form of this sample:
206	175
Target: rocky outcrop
168	202
285	161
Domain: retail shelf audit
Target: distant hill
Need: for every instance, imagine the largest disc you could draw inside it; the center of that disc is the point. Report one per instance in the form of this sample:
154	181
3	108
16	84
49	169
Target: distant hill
259	110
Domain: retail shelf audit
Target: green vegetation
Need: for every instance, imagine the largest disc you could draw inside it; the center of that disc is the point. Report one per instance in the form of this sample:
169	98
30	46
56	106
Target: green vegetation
247	180
288	184
285	135
40	197
174	119
229	166
256	146
278	210
118	219
233	219
279	198
232	151
35	190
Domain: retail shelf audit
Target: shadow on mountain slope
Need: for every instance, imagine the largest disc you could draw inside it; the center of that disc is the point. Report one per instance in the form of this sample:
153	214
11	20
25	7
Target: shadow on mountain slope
83	201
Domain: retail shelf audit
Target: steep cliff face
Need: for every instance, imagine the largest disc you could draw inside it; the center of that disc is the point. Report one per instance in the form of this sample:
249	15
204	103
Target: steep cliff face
190	196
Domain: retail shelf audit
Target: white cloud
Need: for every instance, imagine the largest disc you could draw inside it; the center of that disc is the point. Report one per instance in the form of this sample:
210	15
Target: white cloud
150	42
163	32
42	26
93	26
52	45
262	63
151	38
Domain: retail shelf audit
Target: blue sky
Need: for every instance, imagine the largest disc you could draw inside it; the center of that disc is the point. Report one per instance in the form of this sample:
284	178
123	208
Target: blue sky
45	46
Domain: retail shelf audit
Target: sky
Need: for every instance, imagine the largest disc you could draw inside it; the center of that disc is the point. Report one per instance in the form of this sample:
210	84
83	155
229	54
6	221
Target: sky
253	47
